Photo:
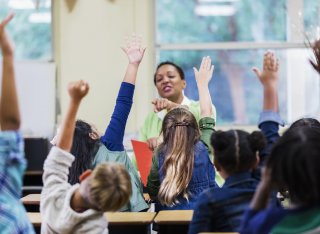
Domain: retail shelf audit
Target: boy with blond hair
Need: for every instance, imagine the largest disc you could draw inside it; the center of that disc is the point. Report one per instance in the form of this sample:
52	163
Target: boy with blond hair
79	208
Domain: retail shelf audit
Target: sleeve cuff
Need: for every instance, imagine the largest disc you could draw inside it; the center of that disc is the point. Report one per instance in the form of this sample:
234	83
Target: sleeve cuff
59	155
207	122
271	116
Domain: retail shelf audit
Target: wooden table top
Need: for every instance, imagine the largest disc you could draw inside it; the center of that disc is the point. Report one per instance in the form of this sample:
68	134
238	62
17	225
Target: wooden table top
114	218
35	218
174	217
34	199
120	218
31	199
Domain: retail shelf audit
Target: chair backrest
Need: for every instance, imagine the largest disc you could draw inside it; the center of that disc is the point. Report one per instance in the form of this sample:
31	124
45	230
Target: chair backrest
36	151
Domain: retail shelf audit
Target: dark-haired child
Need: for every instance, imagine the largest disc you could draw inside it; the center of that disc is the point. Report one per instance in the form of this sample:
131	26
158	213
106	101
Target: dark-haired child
238	158
293	165
92	149
181	167
79	208
13	217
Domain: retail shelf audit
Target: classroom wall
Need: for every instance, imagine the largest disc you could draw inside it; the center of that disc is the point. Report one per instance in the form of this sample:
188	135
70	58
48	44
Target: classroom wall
87	42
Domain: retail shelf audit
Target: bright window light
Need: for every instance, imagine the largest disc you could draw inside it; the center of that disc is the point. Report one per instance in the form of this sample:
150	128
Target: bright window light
21	4
215	10
38	18
217	1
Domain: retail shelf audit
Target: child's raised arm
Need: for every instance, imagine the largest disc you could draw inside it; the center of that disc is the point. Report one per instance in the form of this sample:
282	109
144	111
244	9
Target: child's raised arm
9	107
77	90
203	77
134	52
113	136
269	79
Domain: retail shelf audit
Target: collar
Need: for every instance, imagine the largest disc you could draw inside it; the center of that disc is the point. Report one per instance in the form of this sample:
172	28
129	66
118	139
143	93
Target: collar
185	101
238	178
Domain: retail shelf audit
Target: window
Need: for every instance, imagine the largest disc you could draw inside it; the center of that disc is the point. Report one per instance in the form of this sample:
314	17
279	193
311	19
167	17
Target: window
30	29
236	33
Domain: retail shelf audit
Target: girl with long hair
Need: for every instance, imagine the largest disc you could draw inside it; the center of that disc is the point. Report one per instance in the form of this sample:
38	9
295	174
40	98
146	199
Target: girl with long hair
181	166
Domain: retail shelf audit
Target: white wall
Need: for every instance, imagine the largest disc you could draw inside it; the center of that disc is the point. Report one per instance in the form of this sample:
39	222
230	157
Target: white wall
87	46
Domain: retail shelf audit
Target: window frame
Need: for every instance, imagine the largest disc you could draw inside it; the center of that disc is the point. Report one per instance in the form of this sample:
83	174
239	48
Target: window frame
295	40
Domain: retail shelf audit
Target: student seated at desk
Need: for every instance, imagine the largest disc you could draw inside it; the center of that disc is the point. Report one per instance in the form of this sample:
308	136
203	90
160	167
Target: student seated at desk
181	166
92	149
238	157
79	208
13	217
293	166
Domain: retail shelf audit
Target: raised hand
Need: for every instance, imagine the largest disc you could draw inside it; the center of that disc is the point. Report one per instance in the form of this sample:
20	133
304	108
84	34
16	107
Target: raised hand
134	50
204	74
163	103
78	89
269	74
5	43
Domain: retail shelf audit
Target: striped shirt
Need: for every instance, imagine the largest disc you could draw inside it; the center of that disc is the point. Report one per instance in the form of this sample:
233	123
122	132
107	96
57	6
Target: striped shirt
13	218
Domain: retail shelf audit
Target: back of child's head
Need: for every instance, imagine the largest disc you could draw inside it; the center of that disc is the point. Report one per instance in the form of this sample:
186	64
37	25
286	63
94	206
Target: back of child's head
110	186
305	122
236	150
84	149
179	127
294	162
180	134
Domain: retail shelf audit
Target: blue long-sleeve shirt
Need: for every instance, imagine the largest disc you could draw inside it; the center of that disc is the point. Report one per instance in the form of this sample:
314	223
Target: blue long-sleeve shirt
113	136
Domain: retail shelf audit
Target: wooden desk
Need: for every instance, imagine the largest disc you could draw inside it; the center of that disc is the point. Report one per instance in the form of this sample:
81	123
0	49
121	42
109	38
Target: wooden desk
131	218
34	218
31	202
119	222
173	221
31	199
34	199
129	222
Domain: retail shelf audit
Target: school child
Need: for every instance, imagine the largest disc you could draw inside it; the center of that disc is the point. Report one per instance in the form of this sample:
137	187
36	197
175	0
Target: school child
79	208
293	166
181	167
238	158
92	149
13	217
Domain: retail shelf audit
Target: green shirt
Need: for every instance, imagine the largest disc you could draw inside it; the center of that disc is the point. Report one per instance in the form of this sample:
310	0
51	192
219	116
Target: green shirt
137	202
153	123
206	126
307	222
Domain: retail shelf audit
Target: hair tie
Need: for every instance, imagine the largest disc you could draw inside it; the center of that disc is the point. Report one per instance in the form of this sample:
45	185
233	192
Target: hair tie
181	124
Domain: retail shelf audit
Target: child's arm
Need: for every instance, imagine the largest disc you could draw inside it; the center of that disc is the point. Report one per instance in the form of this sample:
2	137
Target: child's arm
269	79
113	137
77	90
203	77
9	107
263	192
269	118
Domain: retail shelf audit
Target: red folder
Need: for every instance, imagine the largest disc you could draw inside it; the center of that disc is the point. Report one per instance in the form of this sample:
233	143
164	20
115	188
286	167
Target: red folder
144	159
